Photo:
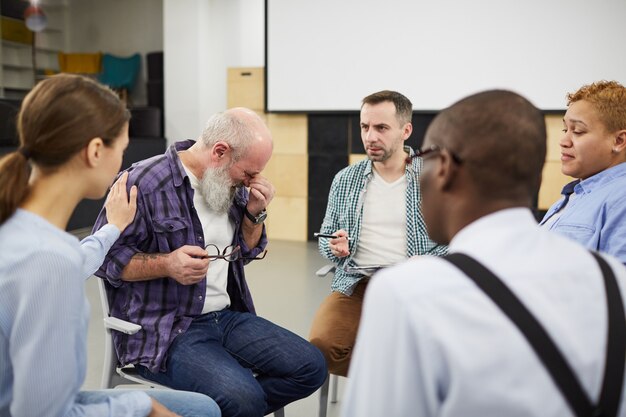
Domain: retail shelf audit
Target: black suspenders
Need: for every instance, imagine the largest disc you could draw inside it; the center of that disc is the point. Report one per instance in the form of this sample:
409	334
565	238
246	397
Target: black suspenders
548	352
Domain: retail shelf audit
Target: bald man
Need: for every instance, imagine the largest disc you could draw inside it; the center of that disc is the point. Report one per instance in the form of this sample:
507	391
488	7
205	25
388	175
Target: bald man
178	271
449	349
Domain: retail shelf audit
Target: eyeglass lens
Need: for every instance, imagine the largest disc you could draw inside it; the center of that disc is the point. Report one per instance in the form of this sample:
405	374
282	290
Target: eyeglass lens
229	253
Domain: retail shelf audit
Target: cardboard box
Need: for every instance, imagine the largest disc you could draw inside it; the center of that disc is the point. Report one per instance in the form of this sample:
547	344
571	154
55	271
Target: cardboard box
246	88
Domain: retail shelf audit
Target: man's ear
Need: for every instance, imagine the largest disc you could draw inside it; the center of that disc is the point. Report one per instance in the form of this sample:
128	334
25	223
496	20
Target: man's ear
94	152
221	150
449	170
407	130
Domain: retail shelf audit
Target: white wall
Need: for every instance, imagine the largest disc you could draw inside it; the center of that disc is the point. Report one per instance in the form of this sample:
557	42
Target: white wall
202	38
119	27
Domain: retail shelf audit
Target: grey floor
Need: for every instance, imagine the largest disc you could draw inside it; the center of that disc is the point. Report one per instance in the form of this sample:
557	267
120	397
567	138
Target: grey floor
286	291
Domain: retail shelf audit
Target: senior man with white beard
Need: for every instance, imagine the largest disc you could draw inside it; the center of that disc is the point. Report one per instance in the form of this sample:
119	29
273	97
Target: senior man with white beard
178	271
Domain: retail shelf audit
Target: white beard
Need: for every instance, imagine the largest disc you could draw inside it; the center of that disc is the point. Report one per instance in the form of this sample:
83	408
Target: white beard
217	189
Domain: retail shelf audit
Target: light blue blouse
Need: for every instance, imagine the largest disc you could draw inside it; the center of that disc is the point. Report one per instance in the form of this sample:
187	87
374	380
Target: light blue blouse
43	320
596	218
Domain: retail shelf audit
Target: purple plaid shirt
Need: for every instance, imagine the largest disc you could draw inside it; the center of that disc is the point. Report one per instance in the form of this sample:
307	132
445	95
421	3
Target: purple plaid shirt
166	220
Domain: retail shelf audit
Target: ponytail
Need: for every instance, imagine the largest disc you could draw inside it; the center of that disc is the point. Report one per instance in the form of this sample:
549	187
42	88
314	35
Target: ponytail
14	175
57	119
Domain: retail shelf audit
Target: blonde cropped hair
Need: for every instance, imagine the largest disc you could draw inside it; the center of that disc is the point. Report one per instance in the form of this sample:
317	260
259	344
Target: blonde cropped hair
609	100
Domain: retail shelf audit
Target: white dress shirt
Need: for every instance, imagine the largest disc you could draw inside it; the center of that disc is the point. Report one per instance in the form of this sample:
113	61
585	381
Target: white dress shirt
431	343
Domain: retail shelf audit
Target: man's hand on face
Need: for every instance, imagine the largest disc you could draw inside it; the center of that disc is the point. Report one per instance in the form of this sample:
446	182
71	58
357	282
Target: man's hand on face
261	193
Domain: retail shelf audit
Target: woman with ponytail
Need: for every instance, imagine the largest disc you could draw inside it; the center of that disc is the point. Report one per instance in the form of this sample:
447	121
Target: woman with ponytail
72	134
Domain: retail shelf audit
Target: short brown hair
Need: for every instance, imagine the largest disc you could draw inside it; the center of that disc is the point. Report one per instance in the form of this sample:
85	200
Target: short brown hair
57	119
404	107
609	100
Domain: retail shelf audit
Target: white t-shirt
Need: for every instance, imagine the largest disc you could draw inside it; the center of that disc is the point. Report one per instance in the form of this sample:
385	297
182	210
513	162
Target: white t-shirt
382	240
218	230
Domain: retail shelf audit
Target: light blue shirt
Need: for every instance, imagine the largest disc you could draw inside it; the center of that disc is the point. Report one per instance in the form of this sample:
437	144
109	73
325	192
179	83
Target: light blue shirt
596	217
43	320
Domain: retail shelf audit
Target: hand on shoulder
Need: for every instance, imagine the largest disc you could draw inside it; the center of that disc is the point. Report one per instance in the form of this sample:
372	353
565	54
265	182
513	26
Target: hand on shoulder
120	206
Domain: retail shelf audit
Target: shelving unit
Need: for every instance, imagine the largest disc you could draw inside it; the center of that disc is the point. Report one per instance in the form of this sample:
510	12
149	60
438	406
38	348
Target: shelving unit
16	70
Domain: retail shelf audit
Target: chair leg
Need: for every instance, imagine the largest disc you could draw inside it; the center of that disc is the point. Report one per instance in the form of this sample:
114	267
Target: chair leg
324	397
333	395
110	378
279	413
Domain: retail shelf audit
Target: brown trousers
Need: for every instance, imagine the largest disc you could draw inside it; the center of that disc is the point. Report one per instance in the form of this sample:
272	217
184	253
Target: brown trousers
335	327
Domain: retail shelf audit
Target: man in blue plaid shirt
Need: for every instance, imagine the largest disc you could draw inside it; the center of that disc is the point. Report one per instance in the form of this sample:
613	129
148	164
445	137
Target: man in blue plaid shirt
374	210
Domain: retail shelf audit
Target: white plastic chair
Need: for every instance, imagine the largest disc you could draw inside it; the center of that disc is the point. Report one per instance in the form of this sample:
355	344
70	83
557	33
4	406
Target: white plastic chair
322	272
112	373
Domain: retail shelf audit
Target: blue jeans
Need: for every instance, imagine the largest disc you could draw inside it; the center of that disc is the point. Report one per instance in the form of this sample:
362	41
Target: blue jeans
222	351
186	404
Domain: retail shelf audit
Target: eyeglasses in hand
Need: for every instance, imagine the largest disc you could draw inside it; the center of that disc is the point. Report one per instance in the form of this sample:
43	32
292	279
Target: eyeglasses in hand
230	253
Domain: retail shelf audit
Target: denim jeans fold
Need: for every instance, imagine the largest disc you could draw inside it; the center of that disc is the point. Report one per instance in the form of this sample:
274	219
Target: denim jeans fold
248	365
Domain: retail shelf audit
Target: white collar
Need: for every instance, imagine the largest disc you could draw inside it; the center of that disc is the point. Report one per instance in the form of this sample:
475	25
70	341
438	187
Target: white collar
490	228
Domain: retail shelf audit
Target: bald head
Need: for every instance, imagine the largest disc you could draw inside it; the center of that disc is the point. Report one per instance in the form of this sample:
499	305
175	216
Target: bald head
242	129
501	139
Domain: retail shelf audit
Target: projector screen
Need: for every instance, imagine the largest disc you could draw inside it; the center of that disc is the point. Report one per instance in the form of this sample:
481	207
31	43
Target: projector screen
326	55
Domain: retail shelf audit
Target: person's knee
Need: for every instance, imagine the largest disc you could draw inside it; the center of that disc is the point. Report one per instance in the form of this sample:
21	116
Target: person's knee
313	371
337	355
203	405
186	402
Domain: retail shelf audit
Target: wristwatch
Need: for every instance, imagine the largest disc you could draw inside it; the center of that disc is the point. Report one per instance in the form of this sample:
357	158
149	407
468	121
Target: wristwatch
258	219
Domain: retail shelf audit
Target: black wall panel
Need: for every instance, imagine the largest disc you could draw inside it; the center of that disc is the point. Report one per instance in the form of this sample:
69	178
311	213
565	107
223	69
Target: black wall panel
332	138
